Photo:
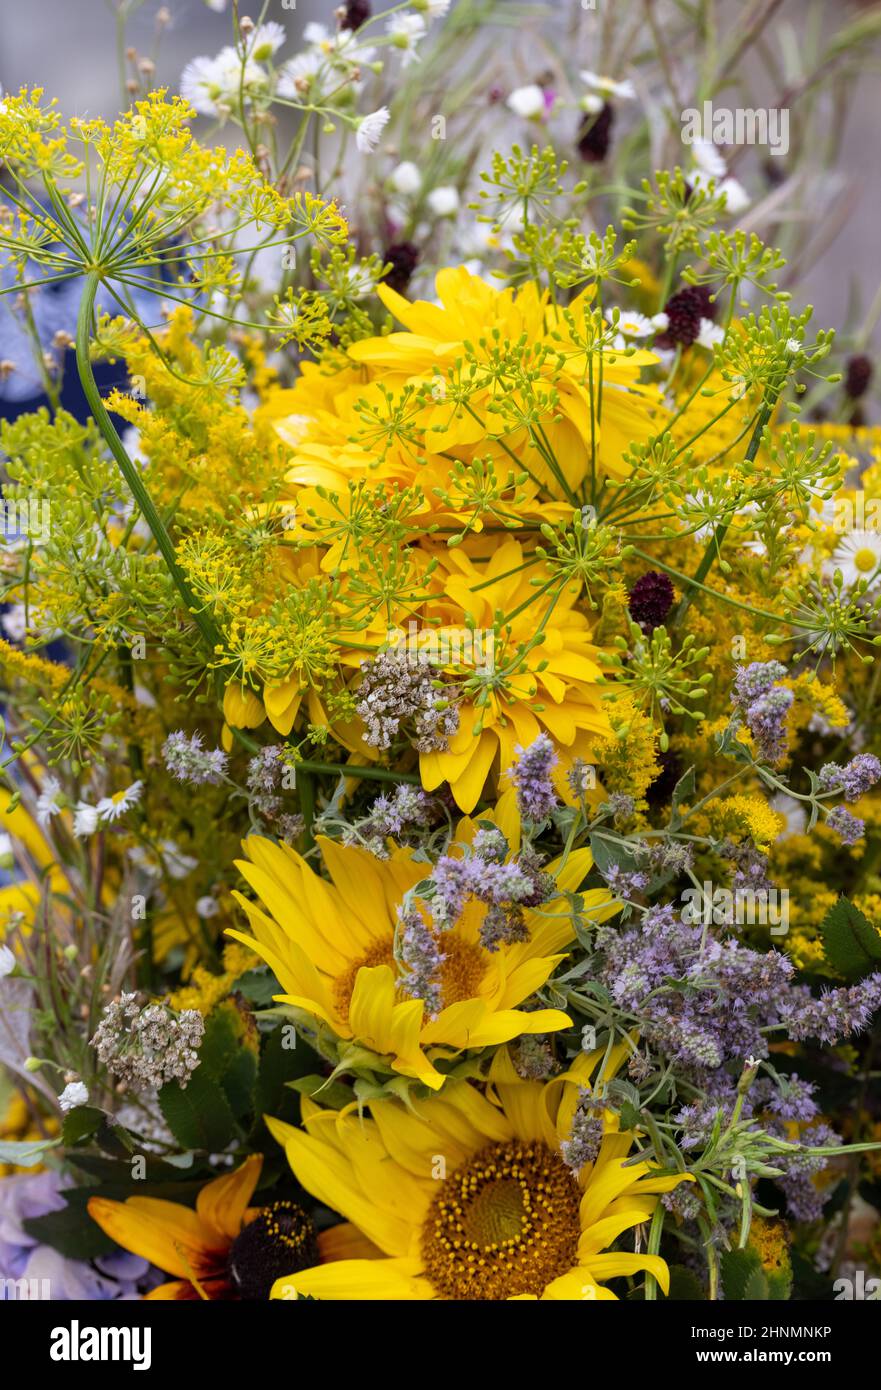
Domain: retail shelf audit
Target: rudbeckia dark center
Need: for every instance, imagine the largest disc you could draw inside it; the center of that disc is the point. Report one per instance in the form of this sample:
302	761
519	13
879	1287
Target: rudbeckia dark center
505	1223
279	1241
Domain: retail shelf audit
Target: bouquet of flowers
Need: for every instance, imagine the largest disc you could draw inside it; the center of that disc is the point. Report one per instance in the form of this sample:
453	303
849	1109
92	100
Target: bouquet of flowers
441	801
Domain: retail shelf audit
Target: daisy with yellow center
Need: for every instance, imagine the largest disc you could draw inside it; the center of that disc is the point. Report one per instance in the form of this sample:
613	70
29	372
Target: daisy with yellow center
858	556
468	1195
332	947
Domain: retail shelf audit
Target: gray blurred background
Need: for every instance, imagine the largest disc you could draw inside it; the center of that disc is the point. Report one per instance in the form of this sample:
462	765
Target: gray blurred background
69	47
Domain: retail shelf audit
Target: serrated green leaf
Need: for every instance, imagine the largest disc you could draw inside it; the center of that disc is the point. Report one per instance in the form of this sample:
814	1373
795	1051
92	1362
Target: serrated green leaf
80	1124
199	1115
685	1285
851	943
739	1268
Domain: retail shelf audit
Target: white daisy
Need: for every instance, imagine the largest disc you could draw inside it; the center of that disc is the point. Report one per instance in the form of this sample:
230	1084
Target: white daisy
435	9
527	102
405	32
710	334
48	800
606	87
265	40
316	33
298	73
443	201
370	128
632	324
85	819
405	178
207	907
200	85
859	557
708	159
110	808
736	196
7	962
212	85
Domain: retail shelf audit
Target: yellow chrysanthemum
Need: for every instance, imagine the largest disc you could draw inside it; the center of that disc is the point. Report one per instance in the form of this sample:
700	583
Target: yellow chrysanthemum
468	1197
332	949
476	321
553	685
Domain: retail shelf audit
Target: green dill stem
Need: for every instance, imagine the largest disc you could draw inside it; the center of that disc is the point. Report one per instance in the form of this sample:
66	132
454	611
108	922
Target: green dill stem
379	774
719	533
128	469
653	1248
306	796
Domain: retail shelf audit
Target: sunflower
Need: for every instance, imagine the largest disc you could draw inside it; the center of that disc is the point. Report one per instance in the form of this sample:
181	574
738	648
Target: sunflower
468	1197
331	945
225	1249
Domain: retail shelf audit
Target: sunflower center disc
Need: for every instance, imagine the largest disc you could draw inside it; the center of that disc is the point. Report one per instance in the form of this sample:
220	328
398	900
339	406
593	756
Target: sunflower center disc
504	1223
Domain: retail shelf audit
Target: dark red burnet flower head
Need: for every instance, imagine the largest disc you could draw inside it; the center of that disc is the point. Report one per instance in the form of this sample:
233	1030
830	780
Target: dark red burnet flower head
357	12
651	599
402	258
858	374
595	134
684	311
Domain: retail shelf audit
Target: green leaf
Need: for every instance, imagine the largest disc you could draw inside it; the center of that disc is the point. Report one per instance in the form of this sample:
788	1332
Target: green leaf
280	1066
80	1124
743	1277
629	1116
199	1115
238	1083
71	1231
26	1153
851	943
332	1094
683	791
685	1285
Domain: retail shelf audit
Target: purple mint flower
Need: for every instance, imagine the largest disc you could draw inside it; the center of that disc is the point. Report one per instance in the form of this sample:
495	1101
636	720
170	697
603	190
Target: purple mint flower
423	958
855	779
536	796
836	1014
188	761
764	705
848	828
